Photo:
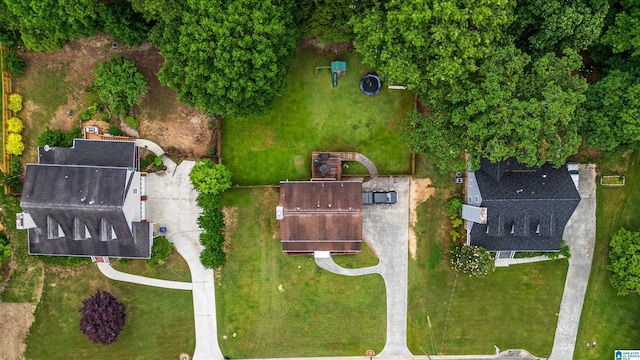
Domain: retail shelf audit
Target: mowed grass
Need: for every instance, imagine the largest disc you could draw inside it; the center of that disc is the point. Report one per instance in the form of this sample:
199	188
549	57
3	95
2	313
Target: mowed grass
512	308
282	306
174	268
611	320
311	115
159	322
25	281
44	89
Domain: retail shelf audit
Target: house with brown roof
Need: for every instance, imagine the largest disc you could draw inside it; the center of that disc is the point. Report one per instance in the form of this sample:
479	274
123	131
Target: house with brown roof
320	217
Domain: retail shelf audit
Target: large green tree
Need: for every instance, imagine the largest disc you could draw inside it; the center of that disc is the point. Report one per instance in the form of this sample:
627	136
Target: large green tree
422	43
611	114
119	84
510	107
228	56
624	34
543	26
48	24
625	261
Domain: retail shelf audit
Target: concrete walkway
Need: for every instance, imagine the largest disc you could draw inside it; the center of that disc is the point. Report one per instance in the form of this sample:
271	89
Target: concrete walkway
580	234
114	274
373	171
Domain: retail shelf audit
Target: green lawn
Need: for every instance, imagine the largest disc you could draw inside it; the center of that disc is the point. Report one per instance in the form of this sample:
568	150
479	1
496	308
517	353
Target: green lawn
514	307
27	277
311	115
174	268
159	323
45	86
282	306
611	320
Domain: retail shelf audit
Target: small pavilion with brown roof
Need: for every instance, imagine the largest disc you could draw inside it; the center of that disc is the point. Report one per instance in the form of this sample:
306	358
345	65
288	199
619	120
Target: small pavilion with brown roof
320	216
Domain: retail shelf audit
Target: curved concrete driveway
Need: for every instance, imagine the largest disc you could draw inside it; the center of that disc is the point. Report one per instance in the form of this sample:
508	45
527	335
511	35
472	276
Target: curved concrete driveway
114	274
385	229
171	200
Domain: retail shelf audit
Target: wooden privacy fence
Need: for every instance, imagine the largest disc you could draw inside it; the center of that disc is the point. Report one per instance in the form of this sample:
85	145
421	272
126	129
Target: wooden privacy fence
6	115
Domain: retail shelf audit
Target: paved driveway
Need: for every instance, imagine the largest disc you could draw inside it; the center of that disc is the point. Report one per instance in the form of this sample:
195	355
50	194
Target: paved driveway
171	200
580	234
386	231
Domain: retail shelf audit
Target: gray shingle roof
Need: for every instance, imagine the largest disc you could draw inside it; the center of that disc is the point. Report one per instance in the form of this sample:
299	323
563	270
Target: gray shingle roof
527	208
92	153
78	210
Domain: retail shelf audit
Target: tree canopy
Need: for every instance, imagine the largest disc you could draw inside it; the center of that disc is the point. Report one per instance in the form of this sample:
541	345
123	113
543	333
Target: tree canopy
48	24
625	261
119	84
543	26
419	44
102	318
228	57
208	177
624	34
510	107
611	114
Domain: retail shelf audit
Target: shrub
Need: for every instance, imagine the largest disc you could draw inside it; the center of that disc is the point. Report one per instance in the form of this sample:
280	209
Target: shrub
15	166
454	208
131	121
115	131
14	144
102	318
58	138
14	125
157	161
14	64
625	261
209	177
212	258
160	251
471	260
15	103
5	249
86	114
212	151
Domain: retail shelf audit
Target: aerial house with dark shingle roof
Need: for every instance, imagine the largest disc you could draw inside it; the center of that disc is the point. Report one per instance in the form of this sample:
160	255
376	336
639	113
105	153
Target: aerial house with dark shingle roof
513	208
88	200
320	217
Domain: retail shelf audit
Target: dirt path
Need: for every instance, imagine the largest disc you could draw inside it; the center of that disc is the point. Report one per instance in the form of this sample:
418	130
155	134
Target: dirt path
419	192
15	320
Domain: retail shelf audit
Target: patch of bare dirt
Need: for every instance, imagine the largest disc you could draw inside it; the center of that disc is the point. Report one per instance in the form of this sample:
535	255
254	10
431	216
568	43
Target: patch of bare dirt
335	48
162	118
15	320
419	191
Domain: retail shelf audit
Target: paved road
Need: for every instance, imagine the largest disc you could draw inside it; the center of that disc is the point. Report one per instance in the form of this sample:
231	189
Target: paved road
171	200
114	274
580	234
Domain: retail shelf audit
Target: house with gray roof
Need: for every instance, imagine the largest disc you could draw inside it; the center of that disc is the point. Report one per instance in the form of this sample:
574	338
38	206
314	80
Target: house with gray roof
512	208
88	200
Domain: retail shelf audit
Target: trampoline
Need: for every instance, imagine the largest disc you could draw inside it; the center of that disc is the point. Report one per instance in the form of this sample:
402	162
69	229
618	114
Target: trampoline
370	84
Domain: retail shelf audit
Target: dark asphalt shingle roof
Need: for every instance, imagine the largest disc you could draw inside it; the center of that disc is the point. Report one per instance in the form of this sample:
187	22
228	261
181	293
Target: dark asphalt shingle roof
81	200
527	208
92	153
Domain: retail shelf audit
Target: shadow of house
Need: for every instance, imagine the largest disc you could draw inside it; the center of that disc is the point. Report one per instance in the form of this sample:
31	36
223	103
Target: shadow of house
88	200
513	208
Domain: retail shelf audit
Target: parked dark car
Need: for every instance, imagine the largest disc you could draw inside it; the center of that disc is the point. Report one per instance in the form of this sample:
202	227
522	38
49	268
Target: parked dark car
379	197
